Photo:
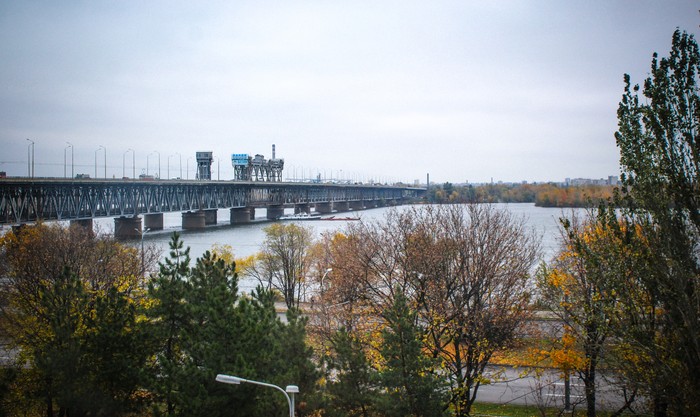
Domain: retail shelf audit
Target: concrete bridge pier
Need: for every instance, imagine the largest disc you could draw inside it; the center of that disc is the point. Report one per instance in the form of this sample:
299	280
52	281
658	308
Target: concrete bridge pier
275	212
153	221
341	206
357	205
324	208
240	215
252	213
210	216
302	208
193	220
86	223
127	227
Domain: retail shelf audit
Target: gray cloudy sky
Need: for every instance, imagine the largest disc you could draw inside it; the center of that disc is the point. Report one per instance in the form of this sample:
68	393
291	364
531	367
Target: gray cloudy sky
390	90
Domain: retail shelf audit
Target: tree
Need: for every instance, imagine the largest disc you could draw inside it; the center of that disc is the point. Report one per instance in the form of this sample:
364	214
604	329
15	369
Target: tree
353	390
465	268
660	158
283	263
202	327
581	288
69	307
413	387
169	322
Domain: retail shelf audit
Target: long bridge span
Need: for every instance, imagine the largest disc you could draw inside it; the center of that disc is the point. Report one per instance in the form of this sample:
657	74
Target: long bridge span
27	200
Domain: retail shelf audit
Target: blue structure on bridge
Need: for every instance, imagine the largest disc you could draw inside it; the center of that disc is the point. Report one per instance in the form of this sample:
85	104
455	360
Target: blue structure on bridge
80	200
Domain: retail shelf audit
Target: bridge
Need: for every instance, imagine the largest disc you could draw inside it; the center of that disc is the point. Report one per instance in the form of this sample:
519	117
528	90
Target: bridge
27	200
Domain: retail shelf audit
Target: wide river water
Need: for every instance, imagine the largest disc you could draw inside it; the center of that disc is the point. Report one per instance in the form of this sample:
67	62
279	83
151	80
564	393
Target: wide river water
247	239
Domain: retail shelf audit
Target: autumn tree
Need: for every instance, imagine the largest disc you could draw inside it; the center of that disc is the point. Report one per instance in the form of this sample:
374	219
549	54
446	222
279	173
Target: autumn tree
283	263
581	287
466	270
69	307
660	158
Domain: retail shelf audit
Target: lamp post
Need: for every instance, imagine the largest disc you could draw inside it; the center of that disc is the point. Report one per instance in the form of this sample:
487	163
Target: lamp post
105	151
30	159
178	154
168	170
187	170
290	389
70	145
323	278
124	162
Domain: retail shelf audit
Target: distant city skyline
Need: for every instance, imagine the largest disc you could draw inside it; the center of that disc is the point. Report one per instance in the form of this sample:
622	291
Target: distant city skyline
465	91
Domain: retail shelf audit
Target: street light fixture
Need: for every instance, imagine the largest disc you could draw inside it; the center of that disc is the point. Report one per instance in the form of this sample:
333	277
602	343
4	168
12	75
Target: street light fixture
105	151
290	389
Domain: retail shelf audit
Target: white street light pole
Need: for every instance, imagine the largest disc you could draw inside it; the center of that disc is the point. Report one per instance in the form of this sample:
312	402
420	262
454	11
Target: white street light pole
30	159
71	160
178	154
323	278
290	389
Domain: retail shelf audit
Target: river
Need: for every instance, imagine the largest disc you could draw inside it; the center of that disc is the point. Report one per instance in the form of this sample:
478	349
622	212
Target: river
246	239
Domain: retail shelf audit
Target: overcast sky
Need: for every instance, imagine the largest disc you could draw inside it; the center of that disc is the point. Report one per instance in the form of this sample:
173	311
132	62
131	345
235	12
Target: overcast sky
389	90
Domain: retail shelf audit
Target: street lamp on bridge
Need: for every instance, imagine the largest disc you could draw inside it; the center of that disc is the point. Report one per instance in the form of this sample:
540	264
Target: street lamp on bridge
133	162
105	152
30	158
70	145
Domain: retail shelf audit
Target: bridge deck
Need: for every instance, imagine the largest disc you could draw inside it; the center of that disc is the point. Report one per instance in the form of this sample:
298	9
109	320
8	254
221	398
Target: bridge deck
25	200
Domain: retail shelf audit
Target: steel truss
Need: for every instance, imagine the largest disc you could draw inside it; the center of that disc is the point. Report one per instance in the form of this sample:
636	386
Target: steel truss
24	200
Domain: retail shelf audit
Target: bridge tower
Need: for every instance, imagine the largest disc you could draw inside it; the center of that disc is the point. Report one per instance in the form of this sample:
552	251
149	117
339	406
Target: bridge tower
204	160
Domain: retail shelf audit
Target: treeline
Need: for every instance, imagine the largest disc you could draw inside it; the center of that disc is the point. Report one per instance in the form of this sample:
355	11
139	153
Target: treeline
543	195
91	335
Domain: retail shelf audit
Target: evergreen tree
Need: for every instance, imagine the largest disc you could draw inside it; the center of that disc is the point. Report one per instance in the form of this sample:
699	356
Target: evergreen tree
413	389
353	392
169	322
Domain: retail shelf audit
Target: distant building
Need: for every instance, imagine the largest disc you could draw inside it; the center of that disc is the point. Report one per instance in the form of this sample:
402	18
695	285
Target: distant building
575	182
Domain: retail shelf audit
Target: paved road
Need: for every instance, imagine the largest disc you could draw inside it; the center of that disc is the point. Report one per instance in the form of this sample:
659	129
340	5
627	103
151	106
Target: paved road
515	388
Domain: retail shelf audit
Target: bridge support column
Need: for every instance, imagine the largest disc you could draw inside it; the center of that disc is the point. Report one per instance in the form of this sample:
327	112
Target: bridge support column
193	220
274	212
240	215
86	223
324	208
356	205
153	221
302	208
252	213
341	206
127	227
210	216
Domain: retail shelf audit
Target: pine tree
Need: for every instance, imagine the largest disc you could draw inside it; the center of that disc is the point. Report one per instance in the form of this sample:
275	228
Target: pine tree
353	392
413	388
168	324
